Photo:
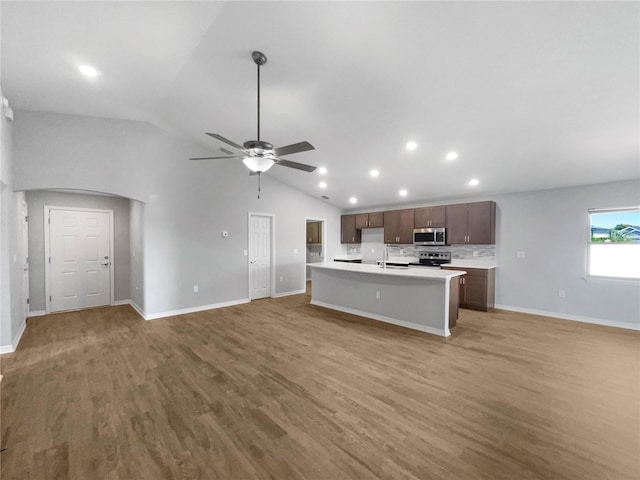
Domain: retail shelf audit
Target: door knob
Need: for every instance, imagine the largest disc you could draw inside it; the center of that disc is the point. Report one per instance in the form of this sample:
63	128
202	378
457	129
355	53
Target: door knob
105	264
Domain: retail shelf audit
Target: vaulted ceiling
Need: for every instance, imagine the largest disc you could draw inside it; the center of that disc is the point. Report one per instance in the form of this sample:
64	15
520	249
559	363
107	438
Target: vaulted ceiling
531	95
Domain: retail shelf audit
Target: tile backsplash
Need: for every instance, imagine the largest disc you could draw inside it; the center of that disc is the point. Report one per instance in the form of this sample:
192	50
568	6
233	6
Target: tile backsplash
457	251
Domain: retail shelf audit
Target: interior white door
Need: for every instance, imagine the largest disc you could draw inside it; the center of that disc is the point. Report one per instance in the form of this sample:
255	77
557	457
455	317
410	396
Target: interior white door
79	245
259	257
25	258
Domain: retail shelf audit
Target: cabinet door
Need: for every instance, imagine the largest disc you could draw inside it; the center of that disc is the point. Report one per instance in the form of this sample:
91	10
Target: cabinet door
456	217
429	217
391	226
481	223
438	216
475	292
421	217
362	220
376	220
405	230
312	232
349	234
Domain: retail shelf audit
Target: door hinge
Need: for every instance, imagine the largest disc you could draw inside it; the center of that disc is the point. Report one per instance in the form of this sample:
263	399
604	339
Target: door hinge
27	301
49	220
49	259
49	297
26	218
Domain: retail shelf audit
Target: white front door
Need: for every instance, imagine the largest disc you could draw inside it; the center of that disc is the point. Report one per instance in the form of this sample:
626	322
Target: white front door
80	270
259	256
25	258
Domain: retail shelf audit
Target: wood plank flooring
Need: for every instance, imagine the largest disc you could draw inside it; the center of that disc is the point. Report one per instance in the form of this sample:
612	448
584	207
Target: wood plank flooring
280	389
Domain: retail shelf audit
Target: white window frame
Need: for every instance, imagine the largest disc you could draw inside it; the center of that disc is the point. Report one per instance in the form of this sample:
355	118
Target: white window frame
589	276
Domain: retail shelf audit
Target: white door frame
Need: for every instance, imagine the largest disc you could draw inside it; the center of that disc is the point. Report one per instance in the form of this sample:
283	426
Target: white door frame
272	264
25	257
47	250
324	242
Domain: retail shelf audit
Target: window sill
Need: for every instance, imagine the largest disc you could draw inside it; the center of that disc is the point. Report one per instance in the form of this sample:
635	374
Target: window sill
615	280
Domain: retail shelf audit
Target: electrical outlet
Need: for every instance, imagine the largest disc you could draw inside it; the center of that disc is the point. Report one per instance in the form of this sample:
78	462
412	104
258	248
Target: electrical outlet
378	295
475	253
562	293
520	254
281	278
246	253
195	289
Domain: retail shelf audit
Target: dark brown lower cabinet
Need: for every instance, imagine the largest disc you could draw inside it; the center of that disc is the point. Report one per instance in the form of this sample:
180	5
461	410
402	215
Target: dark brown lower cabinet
477	288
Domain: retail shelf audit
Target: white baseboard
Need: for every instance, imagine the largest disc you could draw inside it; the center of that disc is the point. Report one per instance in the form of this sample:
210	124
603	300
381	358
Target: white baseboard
137	309
16	340
172	313
121	302
574	318
286	294
381	318
37	313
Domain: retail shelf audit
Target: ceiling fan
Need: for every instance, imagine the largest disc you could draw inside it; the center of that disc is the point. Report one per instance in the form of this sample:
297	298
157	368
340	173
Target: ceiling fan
257	155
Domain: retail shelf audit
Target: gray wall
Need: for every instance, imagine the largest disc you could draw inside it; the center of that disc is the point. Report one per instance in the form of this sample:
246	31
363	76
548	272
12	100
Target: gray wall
136	249
552	228
37	200
12	319
186	204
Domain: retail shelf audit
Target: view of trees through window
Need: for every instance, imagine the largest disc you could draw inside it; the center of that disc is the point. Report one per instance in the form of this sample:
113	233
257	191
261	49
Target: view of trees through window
619	226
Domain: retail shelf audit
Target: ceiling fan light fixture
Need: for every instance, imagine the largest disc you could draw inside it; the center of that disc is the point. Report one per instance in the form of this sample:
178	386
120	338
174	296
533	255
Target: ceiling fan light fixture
258	164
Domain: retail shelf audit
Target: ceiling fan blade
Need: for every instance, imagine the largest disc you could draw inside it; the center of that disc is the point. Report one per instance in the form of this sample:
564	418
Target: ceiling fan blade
296	165
214	158
293	148
225	140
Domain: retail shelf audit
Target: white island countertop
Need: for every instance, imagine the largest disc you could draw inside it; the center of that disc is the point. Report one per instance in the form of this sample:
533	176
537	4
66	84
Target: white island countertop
412	272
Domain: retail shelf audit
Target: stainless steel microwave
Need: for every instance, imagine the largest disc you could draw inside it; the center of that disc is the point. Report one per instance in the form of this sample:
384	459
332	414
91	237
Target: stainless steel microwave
429	236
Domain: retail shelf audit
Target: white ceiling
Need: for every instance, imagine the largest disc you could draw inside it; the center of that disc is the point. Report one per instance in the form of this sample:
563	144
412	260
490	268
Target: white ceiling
531	95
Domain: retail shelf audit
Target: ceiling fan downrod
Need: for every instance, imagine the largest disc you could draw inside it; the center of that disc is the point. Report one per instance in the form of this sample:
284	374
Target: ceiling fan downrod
259	59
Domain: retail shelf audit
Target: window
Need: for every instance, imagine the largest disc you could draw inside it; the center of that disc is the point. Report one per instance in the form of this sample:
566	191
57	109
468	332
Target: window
614	247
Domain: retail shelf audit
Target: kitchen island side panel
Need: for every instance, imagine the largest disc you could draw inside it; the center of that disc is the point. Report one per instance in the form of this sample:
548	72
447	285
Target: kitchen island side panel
419	303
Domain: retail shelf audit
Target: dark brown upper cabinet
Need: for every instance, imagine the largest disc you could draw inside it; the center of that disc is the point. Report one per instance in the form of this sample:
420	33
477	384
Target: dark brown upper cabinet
471	223
314	233
369	220
398	227
429	217
348	231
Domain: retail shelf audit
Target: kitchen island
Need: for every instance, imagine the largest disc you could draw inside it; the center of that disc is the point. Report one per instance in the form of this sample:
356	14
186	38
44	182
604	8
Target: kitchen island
420	298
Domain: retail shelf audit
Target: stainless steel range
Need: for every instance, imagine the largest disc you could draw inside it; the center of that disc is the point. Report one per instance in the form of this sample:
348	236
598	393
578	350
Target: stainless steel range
434	259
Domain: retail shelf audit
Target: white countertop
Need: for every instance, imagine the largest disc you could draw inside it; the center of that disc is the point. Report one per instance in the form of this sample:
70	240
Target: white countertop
415	272
472	263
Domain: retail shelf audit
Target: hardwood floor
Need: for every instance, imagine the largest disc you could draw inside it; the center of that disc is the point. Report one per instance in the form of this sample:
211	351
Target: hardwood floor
281	389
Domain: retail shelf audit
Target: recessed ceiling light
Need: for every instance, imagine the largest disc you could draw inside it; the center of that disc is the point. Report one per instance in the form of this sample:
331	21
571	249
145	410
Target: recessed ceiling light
374	173
88	70
322	184
353	200
452	156
411	145
403	193
473	182
322	171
